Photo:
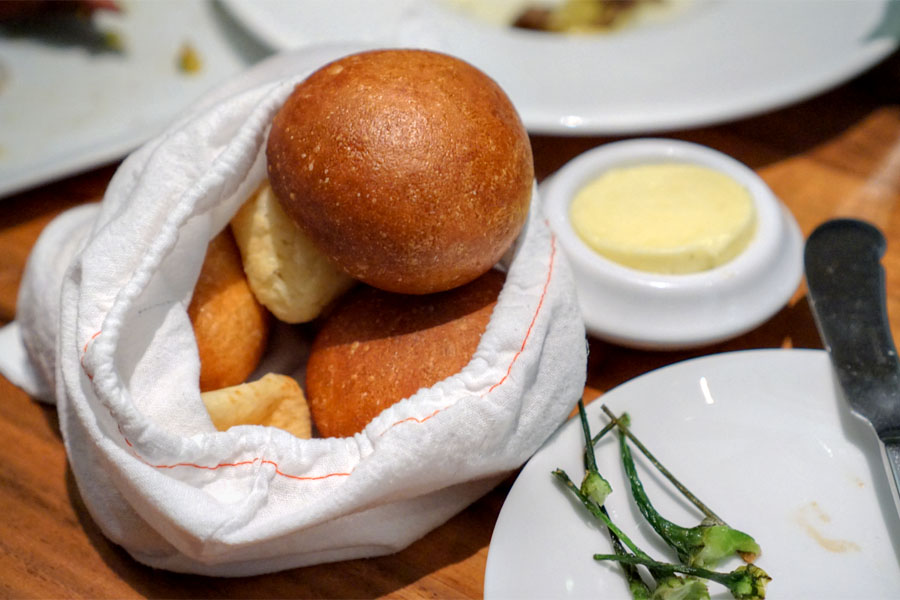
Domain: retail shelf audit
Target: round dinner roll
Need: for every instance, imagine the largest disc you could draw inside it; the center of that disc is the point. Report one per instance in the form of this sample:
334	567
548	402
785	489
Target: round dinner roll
378	348
409	169
230	325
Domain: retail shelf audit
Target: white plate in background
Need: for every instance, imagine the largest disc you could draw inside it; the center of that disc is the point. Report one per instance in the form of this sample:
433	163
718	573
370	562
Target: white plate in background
64	108
761	437
713	61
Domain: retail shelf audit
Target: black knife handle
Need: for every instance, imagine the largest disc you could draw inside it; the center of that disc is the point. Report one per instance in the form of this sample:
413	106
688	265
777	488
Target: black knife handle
847	295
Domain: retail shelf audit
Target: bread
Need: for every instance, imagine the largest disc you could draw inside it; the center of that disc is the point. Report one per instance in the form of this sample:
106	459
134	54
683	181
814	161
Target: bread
410	169
230	326
377	348
285	270
273	400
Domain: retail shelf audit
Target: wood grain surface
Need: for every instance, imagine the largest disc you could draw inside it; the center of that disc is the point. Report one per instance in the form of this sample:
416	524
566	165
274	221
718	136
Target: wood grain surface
837	154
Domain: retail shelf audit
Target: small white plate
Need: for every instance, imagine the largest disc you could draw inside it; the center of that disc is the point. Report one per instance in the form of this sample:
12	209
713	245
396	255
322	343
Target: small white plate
656	311
64	108
713	61
760	436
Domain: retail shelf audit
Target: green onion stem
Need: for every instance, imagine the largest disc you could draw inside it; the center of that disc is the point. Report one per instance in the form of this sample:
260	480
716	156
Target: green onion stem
747	581
600	514
678	485
589	458
606	429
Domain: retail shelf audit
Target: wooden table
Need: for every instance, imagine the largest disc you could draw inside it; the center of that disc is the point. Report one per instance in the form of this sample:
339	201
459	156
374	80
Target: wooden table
835	155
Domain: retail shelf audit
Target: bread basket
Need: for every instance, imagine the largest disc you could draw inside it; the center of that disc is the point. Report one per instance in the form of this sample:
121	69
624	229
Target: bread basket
102	315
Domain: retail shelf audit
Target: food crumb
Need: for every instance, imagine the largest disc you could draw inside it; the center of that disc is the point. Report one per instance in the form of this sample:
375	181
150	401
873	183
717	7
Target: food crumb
113	41
188	59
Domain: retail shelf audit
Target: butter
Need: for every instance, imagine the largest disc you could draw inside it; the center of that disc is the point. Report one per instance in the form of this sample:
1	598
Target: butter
669	218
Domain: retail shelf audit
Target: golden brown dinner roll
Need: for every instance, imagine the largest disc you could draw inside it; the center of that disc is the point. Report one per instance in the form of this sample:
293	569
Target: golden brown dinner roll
410	169
377	348
231	327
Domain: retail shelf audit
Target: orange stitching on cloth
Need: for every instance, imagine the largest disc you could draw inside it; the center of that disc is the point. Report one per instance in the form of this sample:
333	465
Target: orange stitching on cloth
237	464
533	318
127	441
407	419
278	470
84	351
304	478
514	359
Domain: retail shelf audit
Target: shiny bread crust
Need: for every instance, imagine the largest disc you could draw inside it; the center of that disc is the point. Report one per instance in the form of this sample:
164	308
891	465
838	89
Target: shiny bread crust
231	327
409	169
378	348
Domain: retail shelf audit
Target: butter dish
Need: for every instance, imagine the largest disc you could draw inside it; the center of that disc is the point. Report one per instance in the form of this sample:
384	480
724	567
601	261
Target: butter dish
657	311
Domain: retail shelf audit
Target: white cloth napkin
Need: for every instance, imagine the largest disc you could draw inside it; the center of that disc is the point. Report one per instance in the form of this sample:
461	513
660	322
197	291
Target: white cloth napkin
102	313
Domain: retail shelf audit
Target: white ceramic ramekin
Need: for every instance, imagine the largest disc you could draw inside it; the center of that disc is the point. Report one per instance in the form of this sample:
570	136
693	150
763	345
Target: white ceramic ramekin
647	310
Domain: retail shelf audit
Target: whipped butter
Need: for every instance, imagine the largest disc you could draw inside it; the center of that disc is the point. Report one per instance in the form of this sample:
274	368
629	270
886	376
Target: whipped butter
667	218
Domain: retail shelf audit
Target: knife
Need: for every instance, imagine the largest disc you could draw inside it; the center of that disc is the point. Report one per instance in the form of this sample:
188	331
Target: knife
847	295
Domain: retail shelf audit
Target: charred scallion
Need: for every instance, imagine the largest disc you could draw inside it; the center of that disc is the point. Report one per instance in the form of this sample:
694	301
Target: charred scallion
594	487
623	428
705	545
747	582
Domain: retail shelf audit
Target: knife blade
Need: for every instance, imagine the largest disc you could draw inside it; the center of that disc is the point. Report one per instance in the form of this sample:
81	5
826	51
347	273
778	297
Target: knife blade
846	284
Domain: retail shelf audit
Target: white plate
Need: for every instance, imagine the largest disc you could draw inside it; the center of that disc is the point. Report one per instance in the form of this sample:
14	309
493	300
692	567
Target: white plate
714	61
760	436
64	109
